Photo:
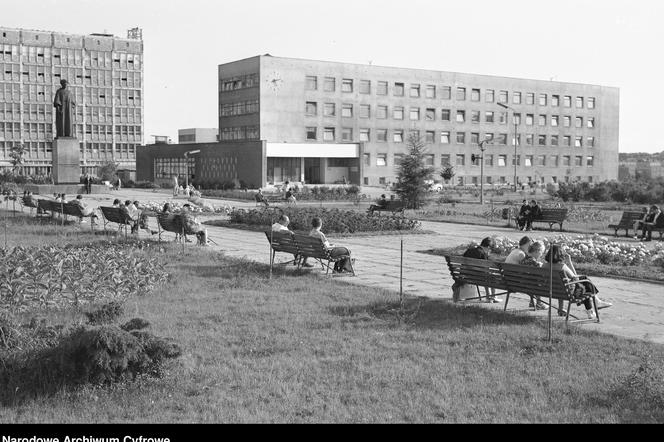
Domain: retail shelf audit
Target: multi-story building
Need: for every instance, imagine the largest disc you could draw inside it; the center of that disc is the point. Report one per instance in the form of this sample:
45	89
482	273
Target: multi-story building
198	135
565	131
104	72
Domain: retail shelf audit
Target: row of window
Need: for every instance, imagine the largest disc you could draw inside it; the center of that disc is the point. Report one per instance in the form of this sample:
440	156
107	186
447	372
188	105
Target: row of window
445	137
500	160
414	114
239	133
170	167
70	57
38	93
75	76
239	108
238	82
475	180
39	148
12	131
417	90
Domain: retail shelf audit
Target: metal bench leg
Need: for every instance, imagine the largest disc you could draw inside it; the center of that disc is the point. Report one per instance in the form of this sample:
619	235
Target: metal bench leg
569	306
507	299
595	308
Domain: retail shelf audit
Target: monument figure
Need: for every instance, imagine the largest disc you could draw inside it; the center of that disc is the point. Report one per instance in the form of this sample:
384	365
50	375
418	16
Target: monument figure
64	104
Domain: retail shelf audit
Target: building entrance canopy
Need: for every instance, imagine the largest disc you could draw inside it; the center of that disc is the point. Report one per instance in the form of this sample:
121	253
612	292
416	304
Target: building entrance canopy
312	150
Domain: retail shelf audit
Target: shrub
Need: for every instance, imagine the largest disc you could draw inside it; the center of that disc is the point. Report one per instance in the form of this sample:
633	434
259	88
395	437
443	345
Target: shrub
105	314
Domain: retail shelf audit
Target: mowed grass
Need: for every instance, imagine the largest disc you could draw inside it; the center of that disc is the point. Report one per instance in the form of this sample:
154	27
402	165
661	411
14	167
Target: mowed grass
303	348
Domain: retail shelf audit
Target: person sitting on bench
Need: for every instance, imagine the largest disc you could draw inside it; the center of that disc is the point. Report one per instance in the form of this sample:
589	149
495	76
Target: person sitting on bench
654	220
87	211
260	198
482	252
380	204
281	226
344	264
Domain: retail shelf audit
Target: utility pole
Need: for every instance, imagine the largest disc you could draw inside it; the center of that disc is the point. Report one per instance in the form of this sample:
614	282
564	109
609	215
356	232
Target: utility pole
515	137
473	157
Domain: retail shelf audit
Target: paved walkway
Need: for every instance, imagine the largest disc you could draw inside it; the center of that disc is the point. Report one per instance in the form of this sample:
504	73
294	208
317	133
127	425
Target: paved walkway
638	307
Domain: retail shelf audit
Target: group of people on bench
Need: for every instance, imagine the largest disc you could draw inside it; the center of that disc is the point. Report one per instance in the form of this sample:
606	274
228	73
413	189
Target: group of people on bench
532	253
342	265
528	213
650	220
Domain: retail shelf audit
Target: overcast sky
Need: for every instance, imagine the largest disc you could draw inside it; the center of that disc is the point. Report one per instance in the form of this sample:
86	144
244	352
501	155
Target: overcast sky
609	42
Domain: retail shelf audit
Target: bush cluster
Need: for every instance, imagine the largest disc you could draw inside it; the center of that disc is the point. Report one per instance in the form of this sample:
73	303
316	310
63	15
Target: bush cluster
334	220
634	191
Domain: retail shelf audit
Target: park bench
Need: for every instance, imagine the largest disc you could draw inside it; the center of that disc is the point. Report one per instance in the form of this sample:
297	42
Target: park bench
627	221
76	211
116	215
514	278
168	222
28	202
313	247
394	206
283	242
52	206
552	216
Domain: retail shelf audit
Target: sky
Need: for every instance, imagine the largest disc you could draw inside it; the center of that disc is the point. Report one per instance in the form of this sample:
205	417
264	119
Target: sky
615	43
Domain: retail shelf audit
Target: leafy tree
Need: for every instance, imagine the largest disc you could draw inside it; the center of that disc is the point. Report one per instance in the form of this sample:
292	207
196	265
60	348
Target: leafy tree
413	173
16	154
108	172
447	173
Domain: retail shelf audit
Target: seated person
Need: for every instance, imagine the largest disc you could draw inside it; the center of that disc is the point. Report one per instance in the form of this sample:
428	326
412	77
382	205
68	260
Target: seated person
143	219
281	226
290	198
654	220
116	203
522	217
87	211
518	254
192	226
482	252
534	213
638	225
561	261
380	204
534	258
167	208
260	198
342	265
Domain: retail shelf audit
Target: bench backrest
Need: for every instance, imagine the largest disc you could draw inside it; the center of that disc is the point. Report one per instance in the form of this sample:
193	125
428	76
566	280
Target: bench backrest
72	209
115	215
482	272
282	242
28	202
629	218
50	205
394	205
310	246
534	280
553	214
169	222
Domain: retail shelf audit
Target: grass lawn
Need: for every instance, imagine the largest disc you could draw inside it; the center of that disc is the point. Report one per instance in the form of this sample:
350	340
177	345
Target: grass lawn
303	348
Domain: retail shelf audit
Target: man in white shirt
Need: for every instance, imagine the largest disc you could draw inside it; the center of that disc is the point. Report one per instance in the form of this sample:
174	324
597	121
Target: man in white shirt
281	225
517	255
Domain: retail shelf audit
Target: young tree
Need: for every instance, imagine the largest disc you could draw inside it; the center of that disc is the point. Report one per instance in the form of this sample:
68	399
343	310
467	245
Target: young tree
447	173
108	172
413	173
16	154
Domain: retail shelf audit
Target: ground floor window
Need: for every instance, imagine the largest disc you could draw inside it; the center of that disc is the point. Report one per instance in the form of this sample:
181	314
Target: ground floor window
170	167
283	169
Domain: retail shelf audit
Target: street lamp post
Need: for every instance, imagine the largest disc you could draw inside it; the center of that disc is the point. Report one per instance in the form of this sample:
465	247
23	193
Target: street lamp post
515	138
481	158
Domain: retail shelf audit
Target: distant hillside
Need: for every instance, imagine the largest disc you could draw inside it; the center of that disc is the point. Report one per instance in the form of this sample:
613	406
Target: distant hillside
636	156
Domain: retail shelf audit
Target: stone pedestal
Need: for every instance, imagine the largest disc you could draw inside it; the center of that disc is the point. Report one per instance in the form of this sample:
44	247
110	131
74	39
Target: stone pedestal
66	161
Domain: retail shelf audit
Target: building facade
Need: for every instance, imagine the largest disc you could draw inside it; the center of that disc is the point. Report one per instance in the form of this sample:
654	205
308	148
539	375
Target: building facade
564	131
198	135
104	72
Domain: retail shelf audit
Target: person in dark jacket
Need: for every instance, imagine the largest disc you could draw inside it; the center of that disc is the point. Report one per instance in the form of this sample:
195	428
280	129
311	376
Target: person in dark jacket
534	212
482	252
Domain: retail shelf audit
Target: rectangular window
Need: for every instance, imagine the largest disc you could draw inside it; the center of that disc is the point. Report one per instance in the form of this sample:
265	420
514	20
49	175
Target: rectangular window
502	139
579	102
381	135
542	99
398	157
590	122
502	118
365	111
381	112
578	161
541	140
328	134
590	161
590	141
397	113
529	119
516	160
541	160
311	133
567	101
489	95
415	91
474	95
365	135
567	141
591	103
346	134
414	113
475	116
346	85
311	83
329	110
381	159
528	161
475	160
445	160
429	137
381	88
474	138
516	118
516	97
554	140
445	115
555	100
398	89
397	136
461	93
460	116
488	117
530	98
311	108
502	160
488	160
554	120
365	86
430	114
461	138
445	137
541	120
430	91
554	160
460	159
529	139
446	92
578	141
429	160
488	137
502	97
329	84
567	120
367	159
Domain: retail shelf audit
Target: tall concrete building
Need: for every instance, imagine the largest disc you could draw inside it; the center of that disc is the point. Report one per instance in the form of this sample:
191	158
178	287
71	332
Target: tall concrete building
106	75
564	131
198	135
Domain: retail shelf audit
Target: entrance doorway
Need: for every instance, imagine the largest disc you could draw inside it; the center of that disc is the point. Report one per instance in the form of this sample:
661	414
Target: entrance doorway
312	170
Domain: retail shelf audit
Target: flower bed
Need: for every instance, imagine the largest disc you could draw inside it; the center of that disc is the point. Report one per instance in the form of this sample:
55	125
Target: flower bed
197	205
334	220
59	276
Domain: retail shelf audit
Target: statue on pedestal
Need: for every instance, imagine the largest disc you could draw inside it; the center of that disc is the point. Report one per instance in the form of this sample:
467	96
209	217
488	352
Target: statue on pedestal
64	104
